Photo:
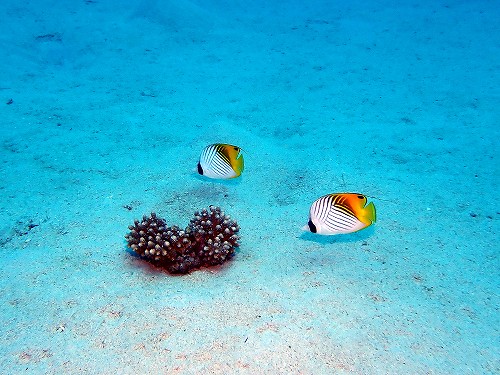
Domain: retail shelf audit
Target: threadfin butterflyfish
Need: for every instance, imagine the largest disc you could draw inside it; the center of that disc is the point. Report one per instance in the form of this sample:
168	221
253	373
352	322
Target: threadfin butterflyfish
221	161
340	214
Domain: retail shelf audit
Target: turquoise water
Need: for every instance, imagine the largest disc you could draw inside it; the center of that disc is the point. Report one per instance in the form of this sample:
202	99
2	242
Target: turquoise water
105	109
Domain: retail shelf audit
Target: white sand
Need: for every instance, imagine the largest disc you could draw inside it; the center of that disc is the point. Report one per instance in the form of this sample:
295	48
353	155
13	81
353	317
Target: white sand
112	104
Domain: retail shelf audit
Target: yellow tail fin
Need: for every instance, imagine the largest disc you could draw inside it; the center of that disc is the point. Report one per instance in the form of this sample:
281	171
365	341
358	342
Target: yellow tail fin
371	213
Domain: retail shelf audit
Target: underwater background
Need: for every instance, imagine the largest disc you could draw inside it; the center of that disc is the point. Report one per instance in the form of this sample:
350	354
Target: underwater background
105	108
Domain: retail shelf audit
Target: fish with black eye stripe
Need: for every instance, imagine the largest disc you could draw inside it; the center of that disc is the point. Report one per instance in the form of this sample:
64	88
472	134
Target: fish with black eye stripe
340	213
221	161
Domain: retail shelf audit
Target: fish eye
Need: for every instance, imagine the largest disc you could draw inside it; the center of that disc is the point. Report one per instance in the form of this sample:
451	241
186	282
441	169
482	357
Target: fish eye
236	148
361	196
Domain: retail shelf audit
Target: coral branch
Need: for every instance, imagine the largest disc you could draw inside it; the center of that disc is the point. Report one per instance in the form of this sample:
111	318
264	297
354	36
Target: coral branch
210	238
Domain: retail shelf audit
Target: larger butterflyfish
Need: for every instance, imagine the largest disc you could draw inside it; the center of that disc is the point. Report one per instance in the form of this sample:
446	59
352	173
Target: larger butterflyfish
221	161
340	213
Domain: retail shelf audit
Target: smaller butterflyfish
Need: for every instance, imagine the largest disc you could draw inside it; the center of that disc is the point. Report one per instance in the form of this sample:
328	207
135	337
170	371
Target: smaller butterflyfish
221	161
340	213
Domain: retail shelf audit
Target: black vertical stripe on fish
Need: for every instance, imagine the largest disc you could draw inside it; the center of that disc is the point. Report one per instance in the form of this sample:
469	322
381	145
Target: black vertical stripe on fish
312	227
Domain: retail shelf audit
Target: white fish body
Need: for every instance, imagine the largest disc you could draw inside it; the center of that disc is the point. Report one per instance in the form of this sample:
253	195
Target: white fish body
221	161
340	214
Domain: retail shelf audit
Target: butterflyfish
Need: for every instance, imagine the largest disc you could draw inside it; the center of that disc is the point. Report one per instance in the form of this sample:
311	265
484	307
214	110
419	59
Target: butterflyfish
221	161
340	213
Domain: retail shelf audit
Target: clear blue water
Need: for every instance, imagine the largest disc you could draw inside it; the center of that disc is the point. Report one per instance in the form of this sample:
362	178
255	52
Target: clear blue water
105	109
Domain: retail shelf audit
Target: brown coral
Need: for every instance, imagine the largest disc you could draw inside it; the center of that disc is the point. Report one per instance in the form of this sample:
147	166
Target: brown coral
145	237
210	239
215	234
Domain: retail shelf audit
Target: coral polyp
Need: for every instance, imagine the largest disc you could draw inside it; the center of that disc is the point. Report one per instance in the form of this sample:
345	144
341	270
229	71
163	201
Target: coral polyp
145	237
210	239
215	234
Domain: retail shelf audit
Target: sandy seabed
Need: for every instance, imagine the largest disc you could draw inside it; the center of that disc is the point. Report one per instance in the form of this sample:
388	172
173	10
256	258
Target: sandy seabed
105	108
